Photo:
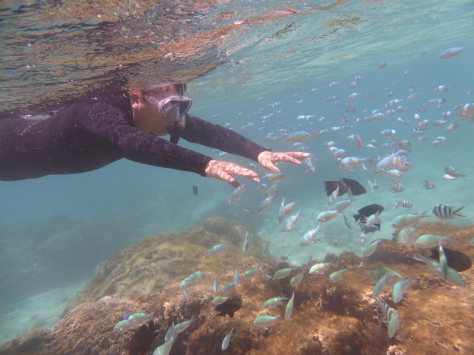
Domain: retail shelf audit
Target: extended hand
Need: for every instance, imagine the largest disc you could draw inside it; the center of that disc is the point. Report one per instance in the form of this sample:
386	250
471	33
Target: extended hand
224	170
268	159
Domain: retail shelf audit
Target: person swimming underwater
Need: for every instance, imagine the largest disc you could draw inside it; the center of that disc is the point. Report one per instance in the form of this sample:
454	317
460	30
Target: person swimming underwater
95	132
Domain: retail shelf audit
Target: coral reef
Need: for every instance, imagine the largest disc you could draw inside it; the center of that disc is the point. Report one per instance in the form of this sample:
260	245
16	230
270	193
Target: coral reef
328	318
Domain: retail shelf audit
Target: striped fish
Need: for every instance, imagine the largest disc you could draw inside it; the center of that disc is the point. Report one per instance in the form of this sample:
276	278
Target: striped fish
393	319
446	212
406	204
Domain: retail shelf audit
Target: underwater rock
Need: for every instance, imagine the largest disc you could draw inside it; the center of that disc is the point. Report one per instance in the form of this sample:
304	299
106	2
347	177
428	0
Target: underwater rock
28	344
146	267
217	225
328	318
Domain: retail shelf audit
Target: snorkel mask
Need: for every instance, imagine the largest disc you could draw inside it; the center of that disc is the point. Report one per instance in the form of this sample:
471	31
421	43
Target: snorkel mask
175	108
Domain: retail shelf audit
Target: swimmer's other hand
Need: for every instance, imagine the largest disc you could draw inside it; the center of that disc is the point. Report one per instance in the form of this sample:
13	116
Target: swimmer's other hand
224	170
268	159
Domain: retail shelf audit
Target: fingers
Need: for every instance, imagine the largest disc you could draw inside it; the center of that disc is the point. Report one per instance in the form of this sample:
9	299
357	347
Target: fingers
224	171
270	166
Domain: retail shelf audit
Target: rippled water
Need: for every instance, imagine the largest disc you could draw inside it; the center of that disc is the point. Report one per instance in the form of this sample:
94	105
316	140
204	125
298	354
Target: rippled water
53	49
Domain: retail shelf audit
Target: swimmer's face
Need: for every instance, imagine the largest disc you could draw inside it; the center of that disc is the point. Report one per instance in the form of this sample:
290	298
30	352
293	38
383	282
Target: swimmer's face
146	113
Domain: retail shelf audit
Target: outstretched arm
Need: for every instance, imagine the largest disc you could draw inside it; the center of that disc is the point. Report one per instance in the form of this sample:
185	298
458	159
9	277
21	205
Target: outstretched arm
210	135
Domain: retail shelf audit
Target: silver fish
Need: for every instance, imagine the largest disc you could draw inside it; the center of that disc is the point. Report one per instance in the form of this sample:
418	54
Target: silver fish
237	194
246	242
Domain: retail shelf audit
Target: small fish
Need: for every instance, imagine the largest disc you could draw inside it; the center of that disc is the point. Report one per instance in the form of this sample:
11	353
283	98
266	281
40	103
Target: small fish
296	280
370	248
351	162
274	176
333	197
451	52
195	189
400	288
216	250
443	88
246	245
289	306
192	279
456	260
392	318
139	317
264	205
272	191
291	221
266	277
170	332
289	208
453	172
308	237
219	300
383	64
281	211
165	348
252	272
298	137
346	222
406	236
229	307
406	204
266	321
181	327
350	186
319	268
380	286
282	273
326	216
443	262
274	302
237	194
245	211
229	288
453	278
431	240
407	220
428	185
446	212
372	220
226	341
123	326
336	276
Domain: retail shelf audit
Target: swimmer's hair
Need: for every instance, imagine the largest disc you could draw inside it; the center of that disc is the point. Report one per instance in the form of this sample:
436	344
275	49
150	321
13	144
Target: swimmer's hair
144	89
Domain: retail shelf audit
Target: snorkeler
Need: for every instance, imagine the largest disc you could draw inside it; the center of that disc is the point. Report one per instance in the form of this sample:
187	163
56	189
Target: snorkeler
96	132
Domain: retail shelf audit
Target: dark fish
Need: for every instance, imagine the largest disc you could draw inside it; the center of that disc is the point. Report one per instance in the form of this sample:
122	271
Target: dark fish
141	341
368	211
344	186
230	306
456	260
446	212
365	212
195	189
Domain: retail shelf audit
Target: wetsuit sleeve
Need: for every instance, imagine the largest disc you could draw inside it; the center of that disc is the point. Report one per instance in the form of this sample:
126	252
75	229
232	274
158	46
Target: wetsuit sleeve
108	123
210	135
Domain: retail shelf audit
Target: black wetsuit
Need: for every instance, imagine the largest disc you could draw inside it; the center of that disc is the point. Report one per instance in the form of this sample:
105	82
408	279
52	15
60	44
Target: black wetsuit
93	133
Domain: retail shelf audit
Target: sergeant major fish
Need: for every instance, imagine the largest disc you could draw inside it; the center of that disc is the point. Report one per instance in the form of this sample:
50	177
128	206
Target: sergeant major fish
446	212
